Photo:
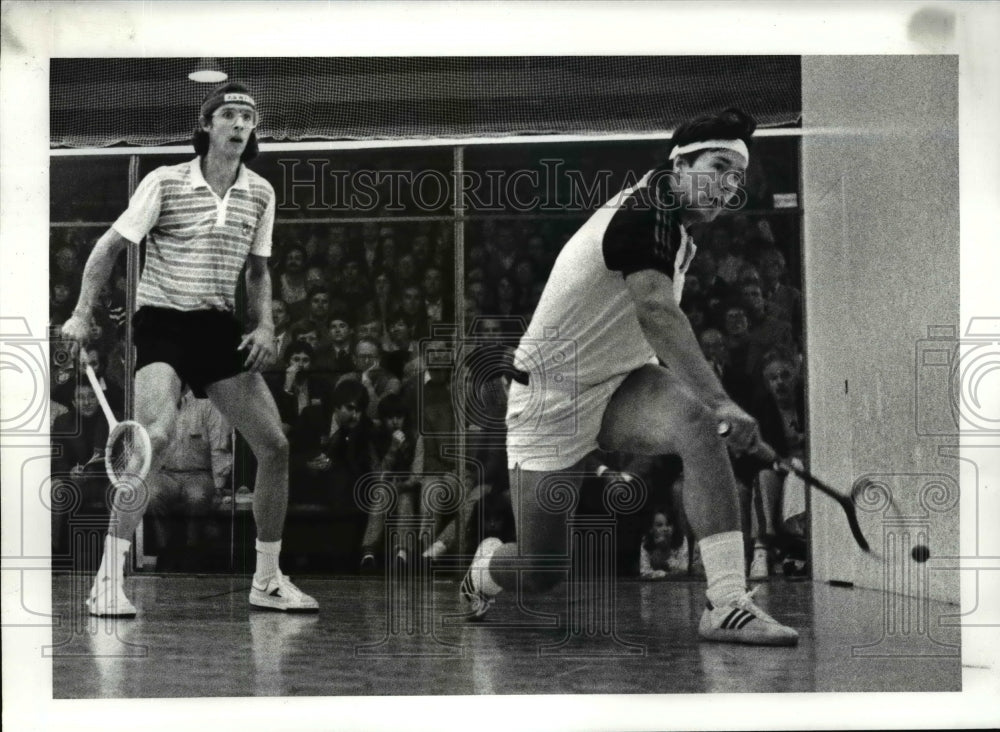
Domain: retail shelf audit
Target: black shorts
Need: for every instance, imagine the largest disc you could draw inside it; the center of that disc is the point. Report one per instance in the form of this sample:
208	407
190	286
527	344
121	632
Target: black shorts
200	345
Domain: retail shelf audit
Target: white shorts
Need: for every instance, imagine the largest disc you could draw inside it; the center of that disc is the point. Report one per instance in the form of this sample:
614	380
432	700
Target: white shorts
554	427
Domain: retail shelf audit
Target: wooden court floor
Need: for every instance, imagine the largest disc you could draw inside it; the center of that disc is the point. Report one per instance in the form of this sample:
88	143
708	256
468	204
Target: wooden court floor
196	636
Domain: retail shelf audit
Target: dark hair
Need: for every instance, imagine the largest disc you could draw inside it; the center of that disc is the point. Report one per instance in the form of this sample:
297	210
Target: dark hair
200	140
350	391
729	124
299	347
647	537
391	405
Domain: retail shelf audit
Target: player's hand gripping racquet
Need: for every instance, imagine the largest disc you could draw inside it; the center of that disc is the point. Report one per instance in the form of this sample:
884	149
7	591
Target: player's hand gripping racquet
767	454
128	454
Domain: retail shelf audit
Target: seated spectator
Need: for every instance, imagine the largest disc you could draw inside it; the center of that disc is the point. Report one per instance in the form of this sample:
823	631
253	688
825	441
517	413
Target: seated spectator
784	302
354	286
195	475
385	296
734	381
300	388
399	348
290	285
369	370
62	298
79	436
736	328
369	326
340	359
781	415
436	305
369	252
63	370
317	319
282	325
66	264
112	393
412	306
764	332
508	297
406	271
395	447
502	253
657	555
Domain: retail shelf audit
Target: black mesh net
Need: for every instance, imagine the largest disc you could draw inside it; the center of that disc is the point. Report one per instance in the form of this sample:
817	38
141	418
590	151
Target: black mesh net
104	102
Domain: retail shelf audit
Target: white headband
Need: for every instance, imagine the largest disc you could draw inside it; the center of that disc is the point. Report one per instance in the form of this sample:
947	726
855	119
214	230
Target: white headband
737	146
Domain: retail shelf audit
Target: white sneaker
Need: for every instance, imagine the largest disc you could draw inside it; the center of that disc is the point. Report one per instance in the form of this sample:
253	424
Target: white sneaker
743	622
758	567
476	601
107	599
280	594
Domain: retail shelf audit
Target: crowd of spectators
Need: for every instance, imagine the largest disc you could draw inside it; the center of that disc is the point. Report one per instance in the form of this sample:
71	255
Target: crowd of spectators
360	396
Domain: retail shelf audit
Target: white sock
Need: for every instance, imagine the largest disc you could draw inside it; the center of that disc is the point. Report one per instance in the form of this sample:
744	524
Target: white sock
436	549
481	578
725	566
267	559
113	561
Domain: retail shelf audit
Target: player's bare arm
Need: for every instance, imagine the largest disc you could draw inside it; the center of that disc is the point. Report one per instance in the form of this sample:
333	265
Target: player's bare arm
669	333
95	274
259	342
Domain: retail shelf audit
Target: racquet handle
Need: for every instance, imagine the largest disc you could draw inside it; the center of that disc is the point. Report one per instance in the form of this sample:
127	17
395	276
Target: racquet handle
99	393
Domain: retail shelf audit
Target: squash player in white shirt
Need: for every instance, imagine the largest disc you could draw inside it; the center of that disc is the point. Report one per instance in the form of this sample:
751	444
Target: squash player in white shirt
203	221
587	376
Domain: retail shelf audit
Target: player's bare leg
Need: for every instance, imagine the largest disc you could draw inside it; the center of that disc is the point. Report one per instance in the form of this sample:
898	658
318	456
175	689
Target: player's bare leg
244	400
159	390
652	412
541	532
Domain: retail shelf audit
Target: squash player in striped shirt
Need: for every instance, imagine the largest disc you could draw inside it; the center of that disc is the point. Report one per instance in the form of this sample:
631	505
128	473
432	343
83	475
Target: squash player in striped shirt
587	376
203	220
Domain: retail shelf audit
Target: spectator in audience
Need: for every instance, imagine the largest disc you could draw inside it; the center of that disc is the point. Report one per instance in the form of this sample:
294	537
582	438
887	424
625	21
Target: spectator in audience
435	304
412	307
291	283
282	325
395	447
196	469
340	359
79	436
66	263
736	327
370	253
317	319
502	253
300	388
385	297
399	347
350	453
784	302
508	297
764	332
115	397
540	255
657	556
369	326
420	248
353	285
61	300
428	396
368	369
406	271
781	415
736	384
